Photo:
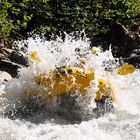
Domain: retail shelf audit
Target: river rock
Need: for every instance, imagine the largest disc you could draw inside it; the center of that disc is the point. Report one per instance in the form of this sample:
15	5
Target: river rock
4	77
11	61
10	67
123	41
125	44
5	53
134	58
13	56
19	58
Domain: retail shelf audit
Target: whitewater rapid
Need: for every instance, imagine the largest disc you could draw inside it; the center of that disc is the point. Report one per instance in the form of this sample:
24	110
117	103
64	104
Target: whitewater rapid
121	124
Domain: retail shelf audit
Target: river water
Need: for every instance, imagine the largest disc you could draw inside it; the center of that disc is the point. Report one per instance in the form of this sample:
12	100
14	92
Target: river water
123	123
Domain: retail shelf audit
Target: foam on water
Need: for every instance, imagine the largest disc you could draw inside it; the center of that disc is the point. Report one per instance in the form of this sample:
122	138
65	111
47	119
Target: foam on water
122	124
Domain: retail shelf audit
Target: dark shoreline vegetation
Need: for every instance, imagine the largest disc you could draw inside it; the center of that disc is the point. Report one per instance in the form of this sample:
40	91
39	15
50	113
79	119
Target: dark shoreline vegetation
22	18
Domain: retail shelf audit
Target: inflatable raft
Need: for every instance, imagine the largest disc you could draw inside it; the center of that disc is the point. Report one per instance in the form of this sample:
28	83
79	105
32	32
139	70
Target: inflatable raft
70	80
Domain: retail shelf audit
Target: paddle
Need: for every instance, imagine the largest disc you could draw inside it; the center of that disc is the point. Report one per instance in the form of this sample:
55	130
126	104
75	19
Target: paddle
125	69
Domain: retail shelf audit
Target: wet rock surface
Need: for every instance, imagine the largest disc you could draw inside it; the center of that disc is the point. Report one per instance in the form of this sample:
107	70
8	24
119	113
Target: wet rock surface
19	58
11	61
4	76
122	40
10	67
125	44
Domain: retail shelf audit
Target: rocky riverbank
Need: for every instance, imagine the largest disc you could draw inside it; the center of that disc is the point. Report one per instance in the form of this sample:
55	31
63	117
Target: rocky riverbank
10	62
125	44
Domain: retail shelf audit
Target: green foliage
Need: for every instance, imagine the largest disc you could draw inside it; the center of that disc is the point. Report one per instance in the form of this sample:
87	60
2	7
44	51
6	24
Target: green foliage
13	18
20	17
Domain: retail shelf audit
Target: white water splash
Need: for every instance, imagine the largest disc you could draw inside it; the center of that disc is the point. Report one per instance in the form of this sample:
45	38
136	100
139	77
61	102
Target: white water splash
122	124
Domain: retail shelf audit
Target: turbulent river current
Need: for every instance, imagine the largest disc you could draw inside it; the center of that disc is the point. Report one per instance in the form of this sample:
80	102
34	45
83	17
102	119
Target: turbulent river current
123	123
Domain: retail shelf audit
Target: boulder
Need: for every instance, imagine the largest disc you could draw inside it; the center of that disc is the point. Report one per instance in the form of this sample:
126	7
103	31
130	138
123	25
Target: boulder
5	53
4	77
10	67
125	44
134	58
122	40
13	56
11	61
18	58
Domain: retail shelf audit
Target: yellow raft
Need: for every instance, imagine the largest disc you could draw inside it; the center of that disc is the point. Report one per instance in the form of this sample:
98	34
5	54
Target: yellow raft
73	80
70	80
